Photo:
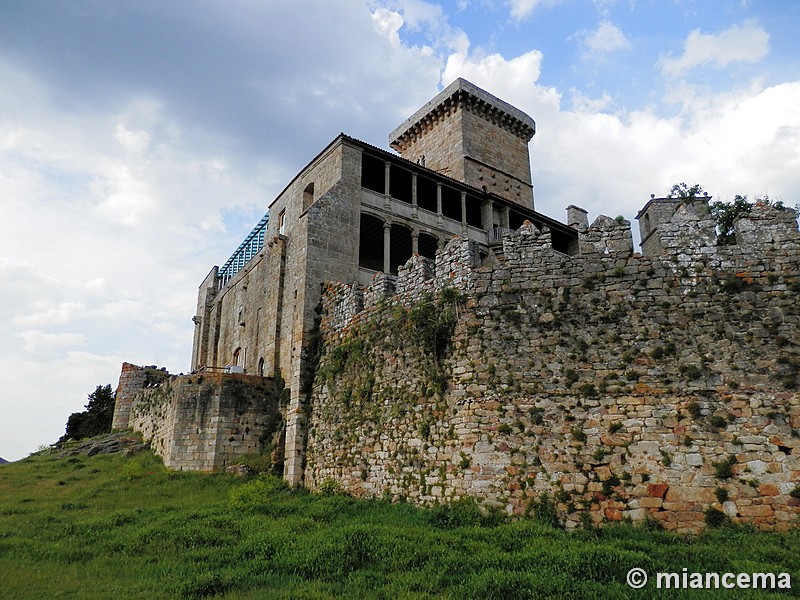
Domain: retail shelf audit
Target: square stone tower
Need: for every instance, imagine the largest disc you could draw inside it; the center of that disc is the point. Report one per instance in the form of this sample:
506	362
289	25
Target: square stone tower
468	134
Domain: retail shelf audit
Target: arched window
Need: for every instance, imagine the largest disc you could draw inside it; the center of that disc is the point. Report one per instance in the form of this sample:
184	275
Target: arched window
237	355
261	367
400	247
308	196
370	246
427	245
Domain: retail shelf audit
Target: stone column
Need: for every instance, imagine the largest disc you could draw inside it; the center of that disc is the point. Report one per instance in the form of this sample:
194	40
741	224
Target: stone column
415	242
387	246
439	204
487	214
387	167
464	213
413	195
505	218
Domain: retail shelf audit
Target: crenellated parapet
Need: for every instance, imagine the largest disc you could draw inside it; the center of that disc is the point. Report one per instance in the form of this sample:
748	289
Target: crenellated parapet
606	236
688	231
768	247
383	286
766	225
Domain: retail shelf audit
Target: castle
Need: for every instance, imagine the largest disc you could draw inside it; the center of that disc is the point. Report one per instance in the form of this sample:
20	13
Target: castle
409	326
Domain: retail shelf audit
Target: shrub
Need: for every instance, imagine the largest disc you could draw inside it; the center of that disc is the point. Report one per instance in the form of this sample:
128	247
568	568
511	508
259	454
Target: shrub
465	512
694	410
610	483
722	494
690	371
544	510
715	518
258	491
579	435
570	376
719	421
536	415
724	468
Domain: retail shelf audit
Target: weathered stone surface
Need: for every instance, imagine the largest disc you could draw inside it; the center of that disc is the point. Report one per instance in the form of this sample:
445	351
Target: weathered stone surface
204	422
632	398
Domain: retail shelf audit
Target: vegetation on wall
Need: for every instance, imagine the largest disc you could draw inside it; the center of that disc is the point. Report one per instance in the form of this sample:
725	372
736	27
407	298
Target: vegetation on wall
725	214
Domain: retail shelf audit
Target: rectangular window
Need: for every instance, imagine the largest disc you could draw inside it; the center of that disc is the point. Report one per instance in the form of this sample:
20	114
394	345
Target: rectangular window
282	222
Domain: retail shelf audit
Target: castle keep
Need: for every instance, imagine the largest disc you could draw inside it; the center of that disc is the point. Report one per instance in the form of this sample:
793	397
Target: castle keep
409	326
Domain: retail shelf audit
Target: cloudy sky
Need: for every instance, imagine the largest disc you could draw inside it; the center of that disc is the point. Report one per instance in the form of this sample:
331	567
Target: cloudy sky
141	141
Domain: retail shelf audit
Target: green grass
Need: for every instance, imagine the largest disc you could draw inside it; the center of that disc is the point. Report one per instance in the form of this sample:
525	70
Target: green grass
115	527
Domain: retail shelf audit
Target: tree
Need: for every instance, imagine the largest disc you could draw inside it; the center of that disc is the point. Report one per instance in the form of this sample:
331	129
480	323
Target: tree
727	213
684	192
97	417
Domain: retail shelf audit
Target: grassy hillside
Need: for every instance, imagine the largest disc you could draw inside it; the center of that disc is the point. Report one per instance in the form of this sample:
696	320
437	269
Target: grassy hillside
113	527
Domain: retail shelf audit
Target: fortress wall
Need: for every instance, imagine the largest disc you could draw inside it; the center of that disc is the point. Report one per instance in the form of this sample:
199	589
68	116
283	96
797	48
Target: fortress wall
614	385
203	422
131	380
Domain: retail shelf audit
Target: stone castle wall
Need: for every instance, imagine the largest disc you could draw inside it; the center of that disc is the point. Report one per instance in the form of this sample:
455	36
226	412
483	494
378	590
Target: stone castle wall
201	422
610	384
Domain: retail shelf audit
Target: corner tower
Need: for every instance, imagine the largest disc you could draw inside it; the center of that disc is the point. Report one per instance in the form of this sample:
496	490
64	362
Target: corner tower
469	135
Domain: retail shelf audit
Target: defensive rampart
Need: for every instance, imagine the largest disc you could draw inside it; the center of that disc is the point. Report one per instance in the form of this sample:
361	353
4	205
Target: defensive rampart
605	384
201	422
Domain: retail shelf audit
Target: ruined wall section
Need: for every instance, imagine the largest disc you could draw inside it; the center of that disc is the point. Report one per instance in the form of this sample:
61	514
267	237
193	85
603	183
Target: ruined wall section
131	381
614	385
205	422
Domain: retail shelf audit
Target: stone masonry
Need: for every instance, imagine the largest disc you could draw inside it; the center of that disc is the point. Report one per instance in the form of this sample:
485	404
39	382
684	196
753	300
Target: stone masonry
612	384
202	422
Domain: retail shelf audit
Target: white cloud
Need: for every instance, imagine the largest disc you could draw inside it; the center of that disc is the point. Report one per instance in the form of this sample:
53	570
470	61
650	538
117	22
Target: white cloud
419	16
388	23
134	141
606	38
746	43
41	342
513	80
585	104
45	312
522	9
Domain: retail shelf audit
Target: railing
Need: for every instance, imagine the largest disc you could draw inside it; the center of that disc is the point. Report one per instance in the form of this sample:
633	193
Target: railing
251	246
496	234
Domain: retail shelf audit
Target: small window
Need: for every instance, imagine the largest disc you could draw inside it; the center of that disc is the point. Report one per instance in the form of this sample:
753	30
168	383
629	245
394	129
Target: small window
237	354
282	222
308	196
